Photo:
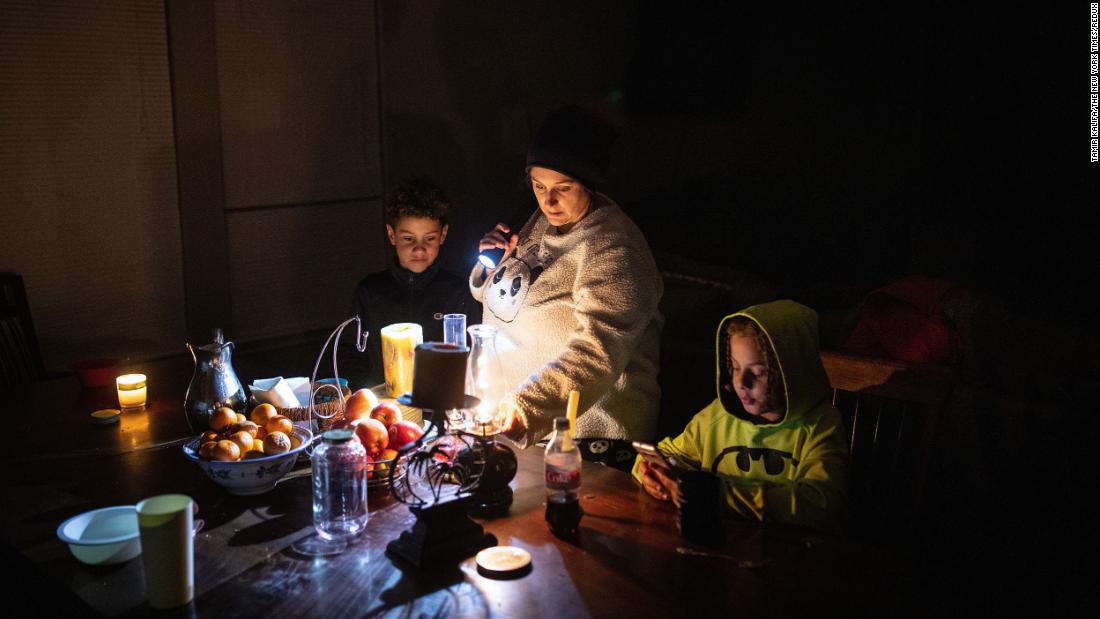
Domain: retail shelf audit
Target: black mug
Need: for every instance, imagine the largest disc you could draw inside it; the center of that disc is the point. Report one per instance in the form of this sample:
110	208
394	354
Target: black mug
700	508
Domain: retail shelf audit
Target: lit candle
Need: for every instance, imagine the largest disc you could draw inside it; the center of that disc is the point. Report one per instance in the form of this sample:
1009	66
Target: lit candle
131	391
399	342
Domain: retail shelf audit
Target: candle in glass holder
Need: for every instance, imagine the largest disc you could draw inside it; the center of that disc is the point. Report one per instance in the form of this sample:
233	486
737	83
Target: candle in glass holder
131	391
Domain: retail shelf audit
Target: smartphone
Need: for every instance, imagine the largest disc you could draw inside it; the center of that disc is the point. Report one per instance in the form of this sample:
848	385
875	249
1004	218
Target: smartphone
650	452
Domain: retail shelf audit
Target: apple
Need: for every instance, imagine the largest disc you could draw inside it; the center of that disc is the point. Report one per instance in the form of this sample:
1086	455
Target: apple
382	463
372	433
359	404
387	412
370	467
403	433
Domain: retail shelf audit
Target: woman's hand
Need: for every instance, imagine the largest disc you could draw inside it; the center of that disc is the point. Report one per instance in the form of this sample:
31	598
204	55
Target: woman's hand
659	482
511	423
499	238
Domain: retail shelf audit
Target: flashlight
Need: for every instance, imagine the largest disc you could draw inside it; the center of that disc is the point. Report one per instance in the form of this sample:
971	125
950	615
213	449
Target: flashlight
490	257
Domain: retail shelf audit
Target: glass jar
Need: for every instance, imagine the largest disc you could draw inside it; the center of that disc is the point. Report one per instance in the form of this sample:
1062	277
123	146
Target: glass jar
339	486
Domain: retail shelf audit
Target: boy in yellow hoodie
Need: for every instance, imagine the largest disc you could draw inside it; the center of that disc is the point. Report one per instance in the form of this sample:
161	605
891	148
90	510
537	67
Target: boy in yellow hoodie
772	436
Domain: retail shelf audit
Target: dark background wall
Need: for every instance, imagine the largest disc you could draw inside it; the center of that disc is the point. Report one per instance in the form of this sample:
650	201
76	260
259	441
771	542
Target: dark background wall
822	149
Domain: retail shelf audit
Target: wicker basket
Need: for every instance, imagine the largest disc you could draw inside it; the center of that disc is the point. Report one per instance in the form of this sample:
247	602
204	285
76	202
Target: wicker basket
326	414
322	415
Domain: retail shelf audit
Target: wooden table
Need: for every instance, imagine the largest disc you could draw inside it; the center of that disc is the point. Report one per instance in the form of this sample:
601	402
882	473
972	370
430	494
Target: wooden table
628	559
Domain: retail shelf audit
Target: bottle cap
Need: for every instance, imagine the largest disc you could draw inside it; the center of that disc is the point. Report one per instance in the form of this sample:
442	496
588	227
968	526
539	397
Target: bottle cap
561	423
339	435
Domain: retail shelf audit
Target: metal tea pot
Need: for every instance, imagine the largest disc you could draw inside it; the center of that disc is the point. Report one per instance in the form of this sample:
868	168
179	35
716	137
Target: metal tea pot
214	383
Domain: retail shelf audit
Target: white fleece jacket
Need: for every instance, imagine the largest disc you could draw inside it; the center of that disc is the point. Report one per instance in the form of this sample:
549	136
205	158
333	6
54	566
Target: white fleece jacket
579	311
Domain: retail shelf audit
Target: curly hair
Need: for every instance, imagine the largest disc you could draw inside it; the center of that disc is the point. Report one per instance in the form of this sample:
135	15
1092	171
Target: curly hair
743	326
417	198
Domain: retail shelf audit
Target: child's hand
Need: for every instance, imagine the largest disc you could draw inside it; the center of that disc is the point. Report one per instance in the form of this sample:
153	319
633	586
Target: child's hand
659	482
499	238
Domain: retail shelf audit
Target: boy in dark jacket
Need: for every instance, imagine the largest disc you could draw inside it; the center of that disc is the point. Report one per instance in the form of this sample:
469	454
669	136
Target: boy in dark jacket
414	288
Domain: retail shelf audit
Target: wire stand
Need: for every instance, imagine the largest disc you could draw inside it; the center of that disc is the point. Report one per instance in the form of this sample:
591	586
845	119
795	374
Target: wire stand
313	545
316	417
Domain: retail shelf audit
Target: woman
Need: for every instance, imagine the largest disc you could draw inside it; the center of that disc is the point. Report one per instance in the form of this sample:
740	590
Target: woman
575	300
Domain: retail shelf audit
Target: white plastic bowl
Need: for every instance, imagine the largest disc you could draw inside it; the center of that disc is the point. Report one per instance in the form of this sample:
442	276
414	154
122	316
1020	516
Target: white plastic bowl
103	536
247	477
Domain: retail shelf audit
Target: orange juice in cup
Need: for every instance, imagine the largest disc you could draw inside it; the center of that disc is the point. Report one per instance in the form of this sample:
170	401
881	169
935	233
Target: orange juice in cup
399	342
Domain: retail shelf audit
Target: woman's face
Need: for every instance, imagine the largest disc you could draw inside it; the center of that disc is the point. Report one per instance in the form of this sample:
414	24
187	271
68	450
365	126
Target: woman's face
417	241
750	374
562	199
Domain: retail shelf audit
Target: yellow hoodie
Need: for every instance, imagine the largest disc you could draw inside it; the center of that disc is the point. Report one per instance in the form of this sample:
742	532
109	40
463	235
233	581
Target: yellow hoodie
792	470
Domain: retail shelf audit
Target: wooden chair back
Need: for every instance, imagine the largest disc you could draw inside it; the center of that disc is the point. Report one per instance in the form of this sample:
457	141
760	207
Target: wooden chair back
20	357
891	410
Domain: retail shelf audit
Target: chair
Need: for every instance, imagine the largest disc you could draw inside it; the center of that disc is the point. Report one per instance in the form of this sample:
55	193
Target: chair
20	357
891	410
697	295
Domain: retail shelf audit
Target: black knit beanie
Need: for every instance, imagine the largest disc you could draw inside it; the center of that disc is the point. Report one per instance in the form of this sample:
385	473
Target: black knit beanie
575	143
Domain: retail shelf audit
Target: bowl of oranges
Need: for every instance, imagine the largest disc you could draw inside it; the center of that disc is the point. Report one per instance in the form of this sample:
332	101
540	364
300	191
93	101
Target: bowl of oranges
248	455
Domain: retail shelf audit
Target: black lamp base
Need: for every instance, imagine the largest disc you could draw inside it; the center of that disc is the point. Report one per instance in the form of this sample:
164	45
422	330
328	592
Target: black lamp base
493	495
443	533
491	502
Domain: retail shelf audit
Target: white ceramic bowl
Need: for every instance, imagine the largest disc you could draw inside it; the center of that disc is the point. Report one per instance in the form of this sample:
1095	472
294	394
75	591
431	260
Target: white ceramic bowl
103	536
253	476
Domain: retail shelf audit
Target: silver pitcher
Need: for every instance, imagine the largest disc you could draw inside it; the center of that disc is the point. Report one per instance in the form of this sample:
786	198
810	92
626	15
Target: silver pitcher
214	383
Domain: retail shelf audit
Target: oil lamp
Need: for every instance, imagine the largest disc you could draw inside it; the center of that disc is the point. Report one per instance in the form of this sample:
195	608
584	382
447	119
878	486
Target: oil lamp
444	468
485	381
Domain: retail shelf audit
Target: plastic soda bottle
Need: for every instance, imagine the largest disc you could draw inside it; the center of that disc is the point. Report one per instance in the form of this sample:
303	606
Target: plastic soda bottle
563	480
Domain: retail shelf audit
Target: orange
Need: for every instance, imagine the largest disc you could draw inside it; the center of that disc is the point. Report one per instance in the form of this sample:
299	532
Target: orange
262	413
226	451
245	426
279	423
276	443
206	451
223	418
243	440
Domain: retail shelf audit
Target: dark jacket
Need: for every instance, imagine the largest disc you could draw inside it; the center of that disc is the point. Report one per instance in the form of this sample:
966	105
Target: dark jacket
399	295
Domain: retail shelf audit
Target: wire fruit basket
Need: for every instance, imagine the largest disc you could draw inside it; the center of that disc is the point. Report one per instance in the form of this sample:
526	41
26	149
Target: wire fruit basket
326	408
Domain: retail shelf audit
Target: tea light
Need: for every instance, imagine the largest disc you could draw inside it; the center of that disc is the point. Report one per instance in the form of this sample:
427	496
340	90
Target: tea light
131	390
